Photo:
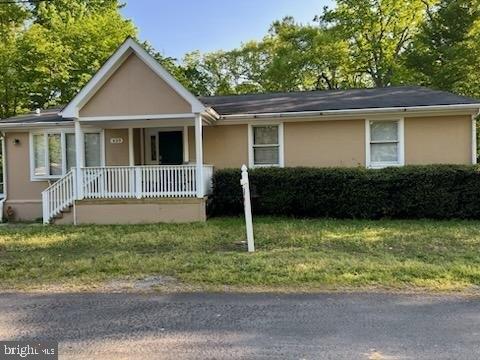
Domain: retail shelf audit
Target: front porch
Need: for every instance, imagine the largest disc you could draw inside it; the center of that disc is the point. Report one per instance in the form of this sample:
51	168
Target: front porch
134	163
138	134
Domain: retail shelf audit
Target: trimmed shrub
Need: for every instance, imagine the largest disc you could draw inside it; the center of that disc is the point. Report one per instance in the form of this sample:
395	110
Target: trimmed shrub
435	191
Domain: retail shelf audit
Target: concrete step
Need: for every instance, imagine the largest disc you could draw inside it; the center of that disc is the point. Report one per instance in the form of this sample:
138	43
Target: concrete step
67	210
59	216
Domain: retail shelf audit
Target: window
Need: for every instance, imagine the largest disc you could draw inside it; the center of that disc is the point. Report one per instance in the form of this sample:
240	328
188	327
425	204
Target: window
385	146
39	155
53	152
92	149
266	145
70	147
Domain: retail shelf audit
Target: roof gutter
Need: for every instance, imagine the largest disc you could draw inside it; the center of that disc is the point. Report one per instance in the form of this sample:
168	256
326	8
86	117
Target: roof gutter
471	107
210	115
34	125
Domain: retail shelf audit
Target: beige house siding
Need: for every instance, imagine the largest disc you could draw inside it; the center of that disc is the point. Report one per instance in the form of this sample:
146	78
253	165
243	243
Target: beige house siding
438	140
135	89
428	140
24	195
116	154
325	143
225	146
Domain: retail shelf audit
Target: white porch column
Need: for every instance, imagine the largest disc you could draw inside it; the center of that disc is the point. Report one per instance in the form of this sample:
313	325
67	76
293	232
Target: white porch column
79	157
131	155
199	154
186	155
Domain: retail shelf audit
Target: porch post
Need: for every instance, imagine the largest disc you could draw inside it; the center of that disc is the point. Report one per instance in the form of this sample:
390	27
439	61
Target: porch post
79	157
131	155
199	155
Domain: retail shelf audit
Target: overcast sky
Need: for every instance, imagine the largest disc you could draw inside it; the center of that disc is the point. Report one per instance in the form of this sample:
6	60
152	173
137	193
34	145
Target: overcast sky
175	27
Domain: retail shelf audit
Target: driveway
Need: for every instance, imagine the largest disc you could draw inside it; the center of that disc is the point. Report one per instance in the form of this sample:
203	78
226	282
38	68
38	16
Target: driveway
246	326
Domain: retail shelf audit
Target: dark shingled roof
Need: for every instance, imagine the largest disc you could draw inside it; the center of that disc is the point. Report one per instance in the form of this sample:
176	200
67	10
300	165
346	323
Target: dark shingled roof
404	96
388	97
45	116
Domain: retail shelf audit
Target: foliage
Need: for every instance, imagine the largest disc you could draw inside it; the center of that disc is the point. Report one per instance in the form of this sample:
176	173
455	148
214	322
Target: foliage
290	57
437	191
357	43
291	255
49	50
443	52
378	31
12	18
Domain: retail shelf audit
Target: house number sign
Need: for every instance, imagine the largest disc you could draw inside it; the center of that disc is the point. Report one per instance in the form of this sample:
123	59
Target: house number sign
116	141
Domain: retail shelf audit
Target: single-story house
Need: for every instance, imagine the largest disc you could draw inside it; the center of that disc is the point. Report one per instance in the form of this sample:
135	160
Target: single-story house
135	146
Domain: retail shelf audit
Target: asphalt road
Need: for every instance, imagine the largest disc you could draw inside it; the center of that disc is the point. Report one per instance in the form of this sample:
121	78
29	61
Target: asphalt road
246	326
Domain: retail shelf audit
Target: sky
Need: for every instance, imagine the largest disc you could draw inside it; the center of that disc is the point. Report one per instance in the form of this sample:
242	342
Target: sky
175	27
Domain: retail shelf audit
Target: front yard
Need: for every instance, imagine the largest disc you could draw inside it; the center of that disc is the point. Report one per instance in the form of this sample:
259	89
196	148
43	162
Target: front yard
292	254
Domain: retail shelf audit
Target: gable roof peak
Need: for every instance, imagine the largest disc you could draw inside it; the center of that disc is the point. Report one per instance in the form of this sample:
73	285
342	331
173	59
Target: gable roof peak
129	46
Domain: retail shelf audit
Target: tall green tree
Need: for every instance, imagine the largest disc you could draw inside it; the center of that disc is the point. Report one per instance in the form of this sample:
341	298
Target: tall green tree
84	34
306	57
290	57
443	54
13	19
49	50
378	32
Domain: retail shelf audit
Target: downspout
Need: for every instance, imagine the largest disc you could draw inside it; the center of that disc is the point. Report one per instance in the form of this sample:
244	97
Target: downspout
4	173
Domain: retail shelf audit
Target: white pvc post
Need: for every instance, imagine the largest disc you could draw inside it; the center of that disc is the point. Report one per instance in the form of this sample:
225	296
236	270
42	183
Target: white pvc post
131	151
248	208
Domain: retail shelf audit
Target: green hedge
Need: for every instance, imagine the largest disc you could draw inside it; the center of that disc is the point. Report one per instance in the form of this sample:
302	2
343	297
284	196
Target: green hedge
437	191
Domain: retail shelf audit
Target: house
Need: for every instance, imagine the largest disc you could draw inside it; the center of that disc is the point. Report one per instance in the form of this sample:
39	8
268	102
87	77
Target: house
134	146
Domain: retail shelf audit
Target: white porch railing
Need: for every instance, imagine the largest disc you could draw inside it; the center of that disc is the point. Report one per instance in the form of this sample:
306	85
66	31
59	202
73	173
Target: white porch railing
59	196
121	182
124	182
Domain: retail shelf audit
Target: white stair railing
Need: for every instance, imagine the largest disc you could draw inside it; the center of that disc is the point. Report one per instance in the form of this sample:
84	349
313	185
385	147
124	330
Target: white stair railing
59	196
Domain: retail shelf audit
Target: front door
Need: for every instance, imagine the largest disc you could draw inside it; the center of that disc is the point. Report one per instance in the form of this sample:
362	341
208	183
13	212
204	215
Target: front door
170	147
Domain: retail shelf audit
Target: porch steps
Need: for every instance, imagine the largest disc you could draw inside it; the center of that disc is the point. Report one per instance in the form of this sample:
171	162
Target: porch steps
61	214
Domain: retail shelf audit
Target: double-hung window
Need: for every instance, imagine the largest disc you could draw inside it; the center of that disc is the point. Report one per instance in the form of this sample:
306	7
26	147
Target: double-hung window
53	152
266	145
385	143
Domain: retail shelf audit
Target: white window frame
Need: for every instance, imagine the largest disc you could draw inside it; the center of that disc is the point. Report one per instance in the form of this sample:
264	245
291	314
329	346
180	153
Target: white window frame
251	145
401	143
62	132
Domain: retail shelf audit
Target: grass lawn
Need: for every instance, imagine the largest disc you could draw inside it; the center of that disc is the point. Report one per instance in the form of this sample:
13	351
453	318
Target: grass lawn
292	254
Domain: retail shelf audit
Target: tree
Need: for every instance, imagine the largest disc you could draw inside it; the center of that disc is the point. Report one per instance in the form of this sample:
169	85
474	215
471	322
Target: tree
306	57
442	54
12	20
49	50
290	57
378	32
471	85
83	35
